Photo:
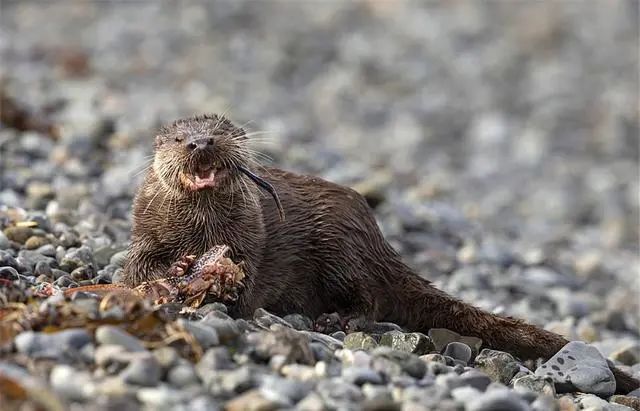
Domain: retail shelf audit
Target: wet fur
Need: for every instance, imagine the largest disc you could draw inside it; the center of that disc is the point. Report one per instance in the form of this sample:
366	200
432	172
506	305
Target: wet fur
329	255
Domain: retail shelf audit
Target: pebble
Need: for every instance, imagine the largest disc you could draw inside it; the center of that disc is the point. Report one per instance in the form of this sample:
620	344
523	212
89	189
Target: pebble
475	379
627	355
361	375
166	356
498	400
70	383
284	391
56	345
204	334
416	343
579	367
108	334
299	322
458	351
359	341
182	375
534	383
498	365
226	328
143	370
252	400
4	241
18	234
338	394
627	400
265	319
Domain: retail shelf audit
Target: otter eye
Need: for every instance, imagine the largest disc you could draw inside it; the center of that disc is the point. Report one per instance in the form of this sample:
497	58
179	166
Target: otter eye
179	139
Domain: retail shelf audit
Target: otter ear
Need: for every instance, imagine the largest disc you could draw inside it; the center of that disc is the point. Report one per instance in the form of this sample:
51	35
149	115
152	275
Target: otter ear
158	142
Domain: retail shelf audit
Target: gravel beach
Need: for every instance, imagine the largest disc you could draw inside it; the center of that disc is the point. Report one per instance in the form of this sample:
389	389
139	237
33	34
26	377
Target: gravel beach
497	142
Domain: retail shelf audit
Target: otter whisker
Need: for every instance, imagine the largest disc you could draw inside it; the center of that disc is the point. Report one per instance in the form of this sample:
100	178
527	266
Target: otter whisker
267	187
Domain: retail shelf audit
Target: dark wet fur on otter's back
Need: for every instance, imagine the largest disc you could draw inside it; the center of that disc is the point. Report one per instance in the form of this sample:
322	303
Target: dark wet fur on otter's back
327	256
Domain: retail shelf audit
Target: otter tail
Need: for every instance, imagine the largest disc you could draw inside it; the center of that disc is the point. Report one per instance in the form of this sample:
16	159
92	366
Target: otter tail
433	308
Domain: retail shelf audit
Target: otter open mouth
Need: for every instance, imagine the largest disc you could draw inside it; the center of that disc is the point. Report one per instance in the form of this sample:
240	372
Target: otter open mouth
206	176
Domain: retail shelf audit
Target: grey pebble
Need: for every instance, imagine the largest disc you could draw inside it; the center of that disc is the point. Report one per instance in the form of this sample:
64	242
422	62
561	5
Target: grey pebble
204	334
284	391
299	322
70	383
498	400
458	351
182	375
52	345
143	369
579	367
108	334
361	375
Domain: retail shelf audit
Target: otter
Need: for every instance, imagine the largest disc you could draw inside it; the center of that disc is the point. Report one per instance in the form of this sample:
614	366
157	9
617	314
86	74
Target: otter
312	247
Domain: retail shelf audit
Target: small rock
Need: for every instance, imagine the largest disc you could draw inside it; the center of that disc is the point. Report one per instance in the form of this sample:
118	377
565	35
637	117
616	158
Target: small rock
437	358
18	234
458	351
205	335
226	328
35	242
282	341
361	375
440	337
534	383
213	360
385	359
29	259
108	334
252	400
212	307
265	319
579	367
54	345
4	241
9	273
299	372
161	397
476	379
77	257
337	394
43	268
299	322
312	402
498	400
182	375
629	401
143	370
166	356
118	259
283	391
416	343
69	383
359	341
499	366
627	355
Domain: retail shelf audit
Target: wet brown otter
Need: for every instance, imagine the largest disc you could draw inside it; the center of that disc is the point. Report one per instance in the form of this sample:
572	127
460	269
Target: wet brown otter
328	255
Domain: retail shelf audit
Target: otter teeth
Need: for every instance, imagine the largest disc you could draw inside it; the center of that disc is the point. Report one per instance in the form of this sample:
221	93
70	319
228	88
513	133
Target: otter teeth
206	176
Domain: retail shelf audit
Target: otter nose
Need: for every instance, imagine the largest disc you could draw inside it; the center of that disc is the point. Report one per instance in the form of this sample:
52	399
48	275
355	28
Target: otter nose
200	143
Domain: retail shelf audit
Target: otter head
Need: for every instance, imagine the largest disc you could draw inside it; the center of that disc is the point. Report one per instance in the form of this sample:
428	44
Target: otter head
200	154
206	154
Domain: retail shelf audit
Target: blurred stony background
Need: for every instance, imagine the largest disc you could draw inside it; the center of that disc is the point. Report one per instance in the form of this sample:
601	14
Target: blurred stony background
498	141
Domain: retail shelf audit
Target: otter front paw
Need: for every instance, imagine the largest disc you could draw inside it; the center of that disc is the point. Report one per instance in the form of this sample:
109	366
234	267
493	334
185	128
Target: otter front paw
181	266
226	279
